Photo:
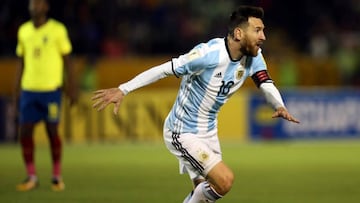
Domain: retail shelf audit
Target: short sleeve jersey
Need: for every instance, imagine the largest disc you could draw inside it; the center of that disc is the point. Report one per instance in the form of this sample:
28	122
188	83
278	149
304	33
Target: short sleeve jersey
42	49
209	78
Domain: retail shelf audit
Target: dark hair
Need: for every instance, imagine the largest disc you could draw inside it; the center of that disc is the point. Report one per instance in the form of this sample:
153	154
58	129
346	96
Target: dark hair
241	15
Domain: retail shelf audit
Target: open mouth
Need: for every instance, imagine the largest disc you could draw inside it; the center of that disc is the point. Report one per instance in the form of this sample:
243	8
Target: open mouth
259	44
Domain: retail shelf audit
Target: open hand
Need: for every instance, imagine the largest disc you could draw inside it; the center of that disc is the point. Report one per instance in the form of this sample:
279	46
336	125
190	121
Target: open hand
104	97
283	113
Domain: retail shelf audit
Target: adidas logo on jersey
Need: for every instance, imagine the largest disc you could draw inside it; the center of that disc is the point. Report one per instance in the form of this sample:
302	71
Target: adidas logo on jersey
218	75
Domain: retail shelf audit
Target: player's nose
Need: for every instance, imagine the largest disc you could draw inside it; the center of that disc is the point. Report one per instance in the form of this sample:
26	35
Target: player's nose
262	36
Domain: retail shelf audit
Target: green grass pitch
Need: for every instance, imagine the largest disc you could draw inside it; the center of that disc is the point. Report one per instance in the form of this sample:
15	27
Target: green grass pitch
271	172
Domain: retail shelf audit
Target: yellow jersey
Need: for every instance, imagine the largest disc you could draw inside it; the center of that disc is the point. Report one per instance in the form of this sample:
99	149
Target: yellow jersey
42	49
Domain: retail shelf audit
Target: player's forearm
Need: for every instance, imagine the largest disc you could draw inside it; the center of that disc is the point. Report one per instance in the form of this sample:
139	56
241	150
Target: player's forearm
71	87
272	95
19	72
147	77
70	72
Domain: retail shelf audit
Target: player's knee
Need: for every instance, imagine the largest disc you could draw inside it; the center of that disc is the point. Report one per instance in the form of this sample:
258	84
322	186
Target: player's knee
26	130
225	185
229	180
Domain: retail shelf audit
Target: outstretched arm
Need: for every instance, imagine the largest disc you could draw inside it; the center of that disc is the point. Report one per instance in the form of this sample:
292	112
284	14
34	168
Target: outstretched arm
147	77
104	97
273	96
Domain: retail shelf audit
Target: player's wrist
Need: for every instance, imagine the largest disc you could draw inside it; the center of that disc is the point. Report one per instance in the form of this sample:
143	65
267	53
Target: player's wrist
281	108
123	89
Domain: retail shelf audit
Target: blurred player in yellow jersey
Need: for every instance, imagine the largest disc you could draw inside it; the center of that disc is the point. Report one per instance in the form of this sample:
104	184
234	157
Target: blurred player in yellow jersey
44	59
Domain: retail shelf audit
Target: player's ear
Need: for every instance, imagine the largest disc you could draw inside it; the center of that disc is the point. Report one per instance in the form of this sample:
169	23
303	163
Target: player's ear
238	33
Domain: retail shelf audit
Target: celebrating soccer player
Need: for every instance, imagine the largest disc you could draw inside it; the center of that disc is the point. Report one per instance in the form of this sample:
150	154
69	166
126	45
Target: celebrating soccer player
211	72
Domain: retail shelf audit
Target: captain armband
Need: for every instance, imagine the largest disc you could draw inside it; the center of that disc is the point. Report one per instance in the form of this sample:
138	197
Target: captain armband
261	77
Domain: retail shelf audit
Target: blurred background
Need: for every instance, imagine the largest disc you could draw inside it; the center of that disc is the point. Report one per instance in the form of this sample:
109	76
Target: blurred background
312	51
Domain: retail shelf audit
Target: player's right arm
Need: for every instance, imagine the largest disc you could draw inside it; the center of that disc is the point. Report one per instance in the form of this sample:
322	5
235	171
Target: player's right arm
147	77
183	65
186	64
104	97
17	85
19	66
19	72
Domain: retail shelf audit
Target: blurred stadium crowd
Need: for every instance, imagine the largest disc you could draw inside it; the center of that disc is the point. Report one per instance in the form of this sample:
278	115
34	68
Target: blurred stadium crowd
318	30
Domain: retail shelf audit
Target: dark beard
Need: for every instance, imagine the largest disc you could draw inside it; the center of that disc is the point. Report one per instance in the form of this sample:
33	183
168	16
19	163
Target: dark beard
246	51
246	48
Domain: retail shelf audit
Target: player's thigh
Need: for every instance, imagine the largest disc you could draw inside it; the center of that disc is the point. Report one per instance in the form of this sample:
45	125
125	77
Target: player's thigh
28	108
197	155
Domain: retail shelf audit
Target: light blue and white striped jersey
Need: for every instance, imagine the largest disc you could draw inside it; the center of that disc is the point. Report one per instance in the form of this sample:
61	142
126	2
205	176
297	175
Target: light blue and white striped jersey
209	78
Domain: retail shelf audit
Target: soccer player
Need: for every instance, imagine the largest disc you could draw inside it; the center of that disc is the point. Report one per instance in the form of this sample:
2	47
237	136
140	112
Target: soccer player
44	50
211	72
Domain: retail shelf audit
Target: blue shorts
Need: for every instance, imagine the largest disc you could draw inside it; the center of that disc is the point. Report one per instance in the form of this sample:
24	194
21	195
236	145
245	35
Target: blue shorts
37	106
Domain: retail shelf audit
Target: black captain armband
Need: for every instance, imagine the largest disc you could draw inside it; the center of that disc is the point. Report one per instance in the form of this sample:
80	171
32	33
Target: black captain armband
261	77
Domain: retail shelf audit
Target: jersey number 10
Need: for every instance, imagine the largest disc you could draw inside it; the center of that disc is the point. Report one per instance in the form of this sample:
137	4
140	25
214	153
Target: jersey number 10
225	88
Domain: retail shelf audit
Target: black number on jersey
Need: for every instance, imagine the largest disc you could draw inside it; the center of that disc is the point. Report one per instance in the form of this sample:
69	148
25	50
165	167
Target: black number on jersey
225	88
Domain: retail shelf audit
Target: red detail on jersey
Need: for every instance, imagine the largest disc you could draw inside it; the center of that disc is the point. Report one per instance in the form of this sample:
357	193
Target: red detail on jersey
261	77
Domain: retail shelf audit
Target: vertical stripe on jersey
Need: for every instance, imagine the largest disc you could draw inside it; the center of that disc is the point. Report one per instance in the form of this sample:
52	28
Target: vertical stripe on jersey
195	88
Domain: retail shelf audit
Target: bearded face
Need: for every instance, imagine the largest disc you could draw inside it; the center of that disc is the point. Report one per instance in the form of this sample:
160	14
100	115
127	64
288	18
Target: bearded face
252	37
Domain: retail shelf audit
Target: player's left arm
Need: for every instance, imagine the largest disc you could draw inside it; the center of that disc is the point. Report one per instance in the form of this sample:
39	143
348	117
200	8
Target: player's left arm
65	48
271	93
273	97
19	67
71	89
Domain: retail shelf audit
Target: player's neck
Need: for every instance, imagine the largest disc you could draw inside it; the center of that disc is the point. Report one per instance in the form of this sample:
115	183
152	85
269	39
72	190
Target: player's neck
39	21
234	49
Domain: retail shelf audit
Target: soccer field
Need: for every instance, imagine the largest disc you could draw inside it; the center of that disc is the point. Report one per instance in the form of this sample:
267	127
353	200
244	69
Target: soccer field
278	172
